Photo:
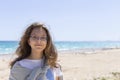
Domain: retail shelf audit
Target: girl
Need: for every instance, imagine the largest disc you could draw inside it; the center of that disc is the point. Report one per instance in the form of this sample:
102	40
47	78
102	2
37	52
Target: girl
37	56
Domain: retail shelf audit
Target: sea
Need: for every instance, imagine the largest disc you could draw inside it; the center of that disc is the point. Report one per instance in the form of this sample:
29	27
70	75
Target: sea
9	47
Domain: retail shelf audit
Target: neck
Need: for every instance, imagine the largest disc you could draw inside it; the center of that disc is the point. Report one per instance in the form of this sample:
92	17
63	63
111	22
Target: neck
35	55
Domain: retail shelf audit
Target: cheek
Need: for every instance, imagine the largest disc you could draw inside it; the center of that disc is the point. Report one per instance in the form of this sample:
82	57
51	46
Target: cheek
29	42
45	44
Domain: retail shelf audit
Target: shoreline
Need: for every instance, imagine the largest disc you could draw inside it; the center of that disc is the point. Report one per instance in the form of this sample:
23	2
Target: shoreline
84	50
79	51
87	50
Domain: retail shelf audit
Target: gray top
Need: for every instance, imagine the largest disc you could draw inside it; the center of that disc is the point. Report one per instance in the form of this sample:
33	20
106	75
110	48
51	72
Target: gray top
21	73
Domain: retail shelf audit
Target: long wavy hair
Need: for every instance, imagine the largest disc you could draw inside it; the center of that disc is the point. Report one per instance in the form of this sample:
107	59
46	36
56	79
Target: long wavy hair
24	50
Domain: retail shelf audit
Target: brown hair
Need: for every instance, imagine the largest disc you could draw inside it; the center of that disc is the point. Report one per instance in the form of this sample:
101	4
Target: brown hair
24	50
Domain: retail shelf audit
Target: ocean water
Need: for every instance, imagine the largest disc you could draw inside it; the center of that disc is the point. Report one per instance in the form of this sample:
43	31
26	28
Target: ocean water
8	47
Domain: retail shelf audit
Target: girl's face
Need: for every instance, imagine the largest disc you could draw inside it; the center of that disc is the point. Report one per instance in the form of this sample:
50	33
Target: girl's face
38	40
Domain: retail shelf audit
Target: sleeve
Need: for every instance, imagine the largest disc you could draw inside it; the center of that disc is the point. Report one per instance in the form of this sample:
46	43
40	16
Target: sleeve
58	73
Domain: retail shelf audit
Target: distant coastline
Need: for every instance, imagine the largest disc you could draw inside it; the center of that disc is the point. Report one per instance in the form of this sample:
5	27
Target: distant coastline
8	47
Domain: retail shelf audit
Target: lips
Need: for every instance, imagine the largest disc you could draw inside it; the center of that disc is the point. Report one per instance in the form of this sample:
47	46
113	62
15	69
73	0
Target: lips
38	45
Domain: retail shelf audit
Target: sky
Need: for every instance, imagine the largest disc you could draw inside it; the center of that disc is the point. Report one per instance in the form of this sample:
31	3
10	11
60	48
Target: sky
67	20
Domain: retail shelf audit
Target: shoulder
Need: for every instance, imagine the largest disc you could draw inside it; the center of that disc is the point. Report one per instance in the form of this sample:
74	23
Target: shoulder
58	66
16	65
18	68
18	72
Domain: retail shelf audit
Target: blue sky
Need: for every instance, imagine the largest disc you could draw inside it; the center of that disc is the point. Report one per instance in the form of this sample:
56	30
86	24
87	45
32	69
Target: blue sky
67	20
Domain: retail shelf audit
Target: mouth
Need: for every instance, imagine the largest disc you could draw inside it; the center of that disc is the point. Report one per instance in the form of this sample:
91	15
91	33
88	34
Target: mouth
38	45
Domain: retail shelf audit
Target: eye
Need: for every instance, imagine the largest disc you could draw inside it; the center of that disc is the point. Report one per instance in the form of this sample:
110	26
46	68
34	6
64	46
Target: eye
33	37
38	38
43	38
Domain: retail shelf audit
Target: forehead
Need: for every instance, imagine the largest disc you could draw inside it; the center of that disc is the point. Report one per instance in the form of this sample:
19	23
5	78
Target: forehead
39	32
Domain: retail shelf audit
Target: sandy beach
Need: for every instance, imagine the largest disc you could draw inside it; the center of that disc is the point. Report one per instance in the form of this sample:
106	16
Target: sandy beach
78	66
